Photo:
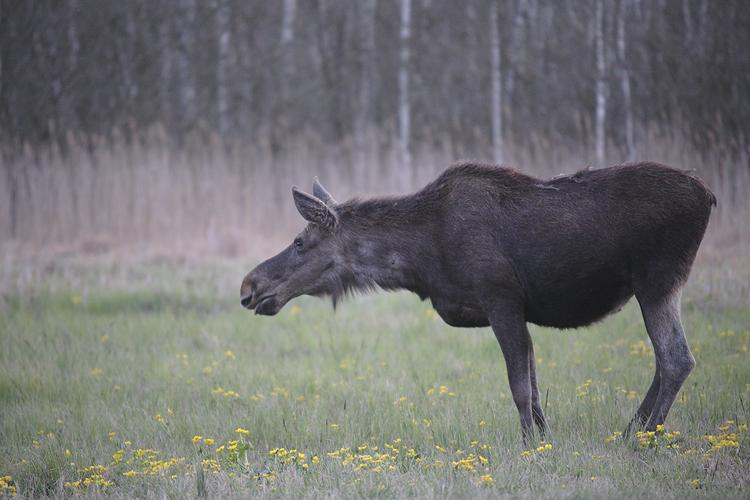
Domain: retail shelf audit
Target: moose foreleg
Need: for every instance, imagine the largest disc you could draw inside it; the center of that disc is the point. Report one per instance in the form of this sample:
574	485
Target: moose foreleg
536	406
511	333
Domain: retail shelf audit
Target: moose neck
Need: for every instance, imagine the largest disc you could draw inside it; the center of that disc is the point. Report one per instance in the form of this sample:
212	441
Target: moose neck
390	245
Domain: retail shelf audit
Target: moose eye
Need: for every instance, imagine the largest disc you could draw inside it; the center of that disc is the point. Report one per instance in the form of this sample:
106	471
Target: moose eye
298	243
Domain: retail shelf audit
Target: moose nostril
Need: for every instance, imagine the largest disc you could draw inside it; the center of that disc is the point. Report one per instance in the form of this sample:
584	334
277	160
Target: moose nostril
245	301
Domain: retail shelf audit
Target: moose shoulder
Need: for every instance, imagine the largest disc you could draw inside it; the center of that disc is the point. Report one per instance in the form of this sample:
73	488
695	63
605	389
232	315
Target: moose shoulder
490	246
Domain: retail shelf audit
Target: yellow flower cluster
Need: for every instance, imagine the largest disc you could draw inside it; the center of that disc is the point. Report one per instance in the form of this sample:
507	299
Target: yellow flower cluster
658	438
729	437
440	391
487	480
369	457
544	447
280	392
470	463
614	437
211	465
144	462
583	389
220	391
7	486
93	476
293	457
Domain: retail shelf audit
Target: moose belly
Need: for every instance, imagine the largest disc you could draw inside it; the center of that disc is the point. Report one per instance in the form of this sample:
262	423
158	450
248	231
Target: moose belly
572	303
459	315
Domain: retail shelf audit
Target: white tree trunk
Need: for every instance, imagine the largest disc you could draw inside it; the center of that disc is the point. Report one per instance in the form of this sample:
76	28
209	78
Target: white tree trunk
287	38
515	48
601	89
625	80
404	104
496	85
223	32
363	139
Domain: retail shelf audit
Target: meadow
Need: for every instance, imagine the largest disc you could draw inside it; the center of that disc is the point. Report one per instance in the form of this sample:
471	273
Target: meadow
149	380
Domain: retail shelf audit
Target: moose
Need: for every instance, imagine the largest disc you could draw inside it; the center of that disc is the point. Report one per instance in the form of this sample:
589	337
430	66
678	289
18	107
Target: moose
490	246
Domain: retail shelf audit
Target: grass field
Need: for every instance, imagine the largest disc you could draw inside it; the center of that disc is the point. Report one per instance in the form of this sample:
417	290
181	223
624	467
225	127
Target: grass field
151	381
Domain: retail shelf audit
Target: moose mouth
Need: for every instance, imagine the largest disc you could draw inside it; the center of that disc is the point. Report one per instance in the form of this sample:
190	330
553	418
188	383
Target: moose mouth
267	305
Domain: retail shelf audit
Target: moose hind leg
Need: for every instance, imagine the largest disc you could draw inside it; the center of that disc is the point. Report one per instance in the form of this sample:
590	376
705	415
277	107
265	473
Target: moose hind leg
673	357
536	407
511	333
647	405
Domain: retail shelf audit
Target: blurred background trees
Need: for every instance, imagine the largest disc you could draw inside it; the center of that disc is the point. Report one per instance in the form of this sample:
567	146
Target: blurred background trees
368	88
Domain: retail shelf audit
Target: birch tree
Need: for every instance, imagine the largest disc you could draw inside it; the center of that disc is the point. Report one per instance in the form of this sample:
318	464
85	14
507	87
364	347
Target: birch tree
280	120
627	103
223	34
496	84
404	104
601	88
365	118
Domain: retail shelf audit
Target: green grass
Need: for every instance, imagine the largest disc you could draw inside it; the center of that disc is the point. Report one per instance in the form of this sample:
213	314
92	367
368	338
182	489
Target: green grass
90	357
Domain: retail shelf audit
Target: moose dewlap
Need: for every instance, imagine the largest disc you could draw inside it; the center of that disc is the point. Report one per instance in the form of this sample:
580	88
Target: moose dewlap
490	246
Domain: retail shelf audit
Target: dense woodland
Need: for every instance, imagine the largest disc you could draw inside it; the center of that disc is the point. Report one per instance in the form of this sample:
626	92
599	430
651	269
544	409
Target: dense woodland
193	117
474	73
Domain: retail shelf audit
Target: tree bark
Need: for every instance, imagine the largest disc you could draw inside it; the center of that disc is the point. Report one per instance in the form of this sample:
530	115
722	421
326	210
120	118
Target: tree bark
185	27
625	80
223	33
404	104
601	97
364	141
496	84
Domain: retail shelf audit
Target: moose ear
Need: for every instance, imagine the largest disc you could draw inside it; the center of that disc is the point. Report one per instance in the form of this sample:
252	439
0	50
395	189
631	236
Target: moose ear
320	192
314	210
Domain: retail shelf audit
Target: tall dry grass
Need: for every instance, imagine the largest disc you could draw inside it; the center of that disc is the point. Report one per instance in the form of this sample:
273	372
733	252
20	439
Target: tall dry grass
211	201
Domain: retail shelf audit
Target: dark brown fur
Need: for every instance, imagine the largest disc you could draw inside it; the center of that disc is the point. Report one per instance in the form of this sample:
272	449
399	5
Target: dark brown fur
490	246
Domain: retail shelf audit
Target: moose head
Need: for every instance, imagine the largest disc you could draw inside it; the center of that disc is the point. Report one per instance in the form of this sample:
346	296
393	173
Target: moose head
310	265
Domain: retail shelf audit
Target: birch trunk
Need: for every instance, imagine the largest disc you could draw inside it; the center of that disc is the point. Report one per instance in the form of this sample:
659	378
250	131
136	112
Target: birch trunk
514	54
625	80
363	138
280	120
601	97
496	85
287	38
404	104
222	61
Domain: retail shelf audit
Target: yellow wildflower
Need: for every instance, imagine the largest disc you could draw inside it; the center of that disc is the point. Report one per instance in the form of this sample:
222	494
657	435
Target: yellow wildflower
197	439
